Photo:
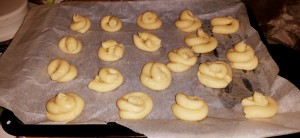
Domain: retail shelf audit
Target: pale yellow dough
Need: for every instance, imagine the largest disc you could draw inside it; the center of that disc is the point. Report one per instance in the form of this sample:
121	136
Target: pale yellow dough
259	106
149	20
134	105
61	70
111	23
70	45
80	23
187	22
224	25
111	51
108	79
216	74
147	42
64	107
156	76
181	59
242	56
189	108
201	42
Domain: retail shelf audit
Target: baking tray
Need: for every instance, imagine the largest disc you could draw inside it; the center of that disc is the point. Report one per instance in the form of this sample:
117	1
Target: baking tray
16	127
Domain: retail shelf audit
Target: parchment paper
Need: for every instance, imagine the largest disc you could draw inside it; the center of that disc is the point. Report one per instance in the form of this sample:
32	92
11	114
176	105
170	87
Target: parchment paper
25	85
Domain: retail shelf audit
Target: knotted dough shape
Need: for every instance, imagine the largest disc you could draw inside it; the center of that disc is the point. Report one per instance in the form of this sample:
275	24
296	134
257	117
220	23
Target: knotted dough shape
201	42
61	70
111	51
111	23
70	45
189	108
80	23
64	107
259	106
108	79
156	76
149	20
147	42
134	105
187	22
225	25
216	74
181	59
242	56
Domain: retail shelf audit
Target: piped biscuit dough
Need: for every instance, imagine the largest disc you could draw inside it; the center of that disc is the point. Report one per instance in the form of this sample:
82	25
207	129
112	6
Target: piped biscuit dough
147	42
134	105
225	25
111	51
181	59
242	56
111	23
149	20
80	23
259	106
70	45
64	107
216	74
187	22
108	79
189	108
61	70
156	76
201	42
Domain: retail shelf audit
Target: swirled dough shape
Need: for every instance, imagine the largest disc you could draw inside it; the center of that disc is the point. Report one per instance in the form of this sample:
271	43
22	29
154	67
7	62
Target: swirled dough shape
147	42
187	22
156	76
134	105
70	45
149	20
108	79
201	42
64	107
181	59
111	51
224	25
259	106
217	74
61	70
189	108
80	23
242	56
111	23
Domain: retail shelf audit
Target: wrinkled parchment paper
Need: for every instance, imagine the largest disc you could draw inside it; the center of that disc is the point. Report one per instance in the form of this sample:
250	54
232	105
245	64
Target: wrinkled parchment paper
25	85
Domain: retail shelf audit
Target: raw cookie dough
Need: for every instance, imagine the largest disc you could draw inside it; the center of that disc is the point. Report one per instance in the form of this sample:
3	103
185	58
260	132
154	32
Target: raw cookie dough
70	45
242	56
217	74
147	42
189	108
61	70
224	25
111	51
201	42
111	23
64	107
108	79
181	59
149	20
134	105
259	106
80	23
156	76
187	22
